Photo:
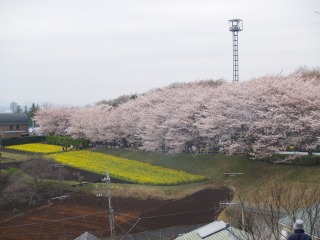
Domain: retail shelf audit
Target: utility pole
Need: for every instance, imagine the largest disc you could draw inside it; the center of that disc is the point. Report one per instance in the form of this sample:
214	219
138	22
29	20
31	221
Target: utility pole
0	162
60	178
230	175
99	197
111	219
227	204
235	204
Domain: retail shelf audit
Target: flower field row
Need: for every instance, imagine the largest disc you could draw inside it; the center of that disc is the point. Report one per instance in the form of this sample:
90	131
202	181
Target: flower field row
133	171
36	147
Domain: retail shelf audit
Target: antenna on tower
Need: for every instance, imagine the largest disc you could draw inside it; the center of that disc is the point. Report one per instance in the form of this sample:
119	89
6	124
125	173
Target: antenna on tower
235	26
99	197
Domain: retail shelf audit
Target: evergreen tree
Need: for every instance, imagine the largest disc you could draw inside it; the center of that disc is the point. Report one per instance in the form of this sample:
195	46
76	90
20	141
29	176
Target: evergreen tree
32	111
19	109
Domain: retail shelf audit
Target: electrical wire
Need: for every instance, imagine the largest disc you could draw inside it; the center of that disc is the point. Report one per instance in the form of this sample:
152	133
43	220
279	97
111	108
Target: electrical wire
92	214
171	214
41	226
79	211
151	232
55	220
126	233
35	233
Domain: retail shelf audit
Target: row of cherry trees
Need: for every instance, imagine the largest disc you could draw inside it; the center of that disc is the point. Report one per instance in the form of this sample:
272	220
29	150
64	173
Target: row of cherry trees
259	117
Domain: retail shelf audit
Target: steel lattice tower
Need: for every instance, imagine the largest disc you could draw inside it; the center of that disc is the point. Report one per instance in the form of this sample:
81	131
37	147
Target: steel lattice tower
235	25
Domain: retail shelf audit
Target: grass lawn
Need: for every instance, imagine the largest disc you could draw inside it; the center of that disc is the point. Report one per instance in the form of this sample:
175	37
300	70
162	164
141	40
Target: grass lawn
13	157
256	174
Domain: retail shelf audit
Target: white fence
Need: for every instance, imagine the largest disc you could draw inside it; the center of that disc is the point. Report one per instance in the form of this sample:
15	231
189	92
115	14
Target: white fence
298	153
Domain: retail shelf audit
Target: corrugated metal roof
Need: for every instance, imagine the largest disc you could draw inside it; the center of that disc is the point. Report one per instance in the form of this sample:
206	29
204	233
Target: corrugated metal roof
87	236
228	233
13	118
306	214
212	228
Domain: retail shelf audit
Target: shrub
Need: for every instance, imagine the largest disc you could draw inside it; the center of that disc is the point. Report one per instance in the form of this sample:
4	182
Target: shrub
24	140
14	171
65	141
294	160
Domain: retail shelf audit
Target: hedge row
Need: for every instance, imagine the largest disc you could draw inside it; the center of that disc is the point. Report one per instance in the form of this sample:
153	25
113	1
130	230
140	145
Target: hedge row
299	160
24	140
65	141
54	140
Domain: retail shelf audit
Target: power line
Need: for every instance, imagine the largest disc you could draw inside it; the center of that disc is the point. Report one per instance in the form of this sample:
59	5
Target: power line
151	232
131	228
173	214
69	232
92	214
55	220
35	233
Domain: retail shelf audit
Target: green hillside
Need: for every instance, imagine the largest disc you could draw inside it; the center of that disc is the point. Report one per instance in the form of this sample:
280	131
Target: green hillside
256	174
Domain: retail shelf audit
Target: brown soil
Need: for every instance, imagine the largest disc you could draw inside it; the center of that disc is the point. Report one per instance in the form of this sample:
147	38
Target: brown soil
69	218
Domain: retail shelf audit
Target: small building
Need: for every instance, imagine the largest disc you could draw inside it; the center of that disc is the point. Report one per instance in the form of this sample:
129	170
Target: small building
218	230
13	107
13	125
311	218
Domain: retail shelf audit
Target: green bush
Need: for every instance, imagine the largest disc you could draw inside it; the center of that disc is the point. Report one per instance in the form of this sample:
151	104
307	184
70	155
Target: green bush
307	161
299	160
65	141
23	140
13	171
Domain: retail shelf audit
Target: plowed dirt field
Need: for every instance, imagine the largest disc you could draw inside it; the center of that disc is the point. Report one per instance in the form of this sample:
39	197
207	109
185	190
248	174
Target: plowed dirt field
73	216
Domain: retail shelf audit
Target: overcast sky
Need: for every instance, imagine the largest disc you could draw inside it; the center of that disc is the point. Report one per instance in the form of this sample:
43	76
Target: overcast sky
77	52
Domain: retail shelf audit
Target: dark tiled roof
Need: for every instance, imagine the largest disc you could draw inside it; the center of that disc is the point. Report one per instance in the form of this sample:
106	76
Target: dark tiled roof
13	118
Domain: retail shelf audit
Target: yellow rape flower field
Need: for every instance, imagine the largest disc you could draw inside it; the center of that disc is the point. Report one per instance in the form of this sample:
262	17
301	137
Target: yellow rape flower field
36	147
130	170
133	171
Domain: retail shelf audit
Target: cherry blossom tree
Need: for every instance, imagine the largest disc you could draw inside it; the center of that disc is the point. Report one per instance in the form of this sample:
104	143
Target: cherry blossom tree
54	120
90	122
257	117
264	115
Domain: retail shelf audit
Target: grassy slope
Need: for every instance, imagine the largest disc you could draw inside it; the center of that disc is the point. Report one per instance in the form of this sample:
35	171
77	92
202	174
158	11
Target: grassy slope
255	173
13	157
